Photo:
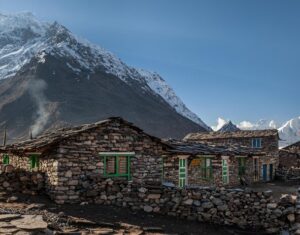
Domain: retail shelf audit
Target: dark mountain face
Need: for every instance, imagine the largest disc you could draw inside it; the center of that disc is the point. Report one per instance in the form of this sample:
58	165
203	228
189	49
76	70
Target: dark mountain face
228	127
49	78
48	95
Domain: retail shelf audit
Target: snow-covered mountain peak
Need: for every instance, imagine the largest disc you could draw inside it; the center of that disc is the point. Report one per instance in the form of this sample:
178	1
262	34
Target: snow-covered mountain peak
24	20
289	132
23	37
228	127
161	88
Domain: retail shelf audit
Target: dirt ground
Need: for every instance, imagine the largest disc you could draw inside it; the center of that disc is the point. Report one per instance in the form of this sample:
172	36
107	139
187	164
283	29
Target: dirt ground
279	188
122	218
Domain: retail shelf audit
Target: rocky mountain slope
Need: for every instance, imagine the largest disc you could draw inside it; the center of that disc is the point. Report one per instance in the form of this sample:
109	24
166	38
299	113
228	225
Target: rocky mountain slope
228	127
50	78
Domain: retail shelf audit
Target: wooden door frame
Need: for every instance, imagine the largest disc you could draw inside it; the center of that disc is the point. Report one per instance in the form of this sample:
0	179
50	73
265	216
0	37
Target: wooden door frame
186	169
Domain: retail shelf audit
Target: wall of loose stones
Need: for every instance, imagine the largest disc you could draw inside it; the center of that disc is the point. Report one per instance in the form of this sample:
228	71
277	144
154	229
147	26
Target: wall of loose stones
20	181
289	159
78	158
244	208
47	166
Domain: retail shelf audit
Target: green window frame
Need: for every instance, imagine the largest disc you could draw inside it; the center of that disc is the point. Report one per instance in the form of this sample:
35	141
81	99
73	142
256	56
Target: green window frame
225	176
182	172
206	168
241	166
34	162
117	165
5	159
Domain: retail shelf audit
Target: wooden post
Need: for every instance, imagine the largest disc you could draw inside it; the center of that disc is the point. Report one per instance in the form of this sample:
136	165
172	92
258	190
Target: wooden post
4	137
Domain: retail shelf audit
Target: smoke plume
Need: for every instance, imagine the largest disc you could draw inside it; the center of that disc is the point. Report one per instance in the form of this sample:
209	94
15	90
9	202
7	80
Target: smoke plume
36	90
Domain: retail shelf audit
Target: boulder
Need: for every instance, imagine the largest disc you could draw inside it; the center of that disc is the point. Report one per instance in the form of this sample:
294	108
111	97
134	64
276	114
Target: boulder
154	196
9	217
188	202
30	222
207	205
272	206
291	218
148	209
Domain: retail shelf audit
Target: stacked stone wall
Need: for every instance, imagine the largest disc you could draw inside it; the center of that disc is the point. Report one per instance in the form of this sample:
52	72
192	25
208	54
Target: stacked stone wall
78	158
289	159
243	208
22	182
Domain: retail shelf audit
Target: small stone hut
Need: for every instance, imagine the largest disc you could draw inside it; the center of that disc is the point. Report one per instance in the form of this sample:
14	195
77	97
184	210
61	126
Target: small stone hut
198	164
113	148
264	142
289	156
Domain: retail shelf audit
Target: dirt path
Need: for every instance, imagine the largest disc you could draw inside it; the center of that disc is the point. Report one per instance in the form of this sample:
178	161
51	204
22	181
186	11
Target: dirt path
123	220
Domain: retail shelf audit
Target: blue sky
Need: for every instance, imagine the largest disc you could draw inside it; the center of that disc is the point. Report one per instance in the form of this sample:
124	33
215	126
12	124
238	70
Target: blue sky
233	59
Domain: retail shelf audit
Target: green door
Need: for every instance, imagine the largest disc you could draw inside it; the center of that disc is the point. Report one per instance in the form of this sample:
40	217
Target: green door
225	171
34	162
182	172
5	159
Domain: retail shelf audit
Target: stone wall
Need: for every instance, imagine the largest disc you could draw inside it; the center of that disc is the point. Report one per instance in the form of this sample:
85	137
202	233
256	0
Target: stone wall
268	154
171	174
295	148
269	143
47	165
237	207
22	182
289	159
244	208
171	166
78	158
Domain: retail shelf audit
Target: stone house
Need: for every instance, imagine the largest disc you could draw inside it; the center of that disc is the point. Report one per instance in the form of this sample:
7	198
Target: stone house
197	164
75	160
264	144
113	148
289	156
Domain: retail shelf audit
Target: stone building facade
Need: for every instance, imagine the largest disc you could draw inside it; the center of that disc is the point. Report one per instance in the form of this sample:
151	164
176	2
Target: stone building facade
264	159
72	158
111	148
289	156
197	164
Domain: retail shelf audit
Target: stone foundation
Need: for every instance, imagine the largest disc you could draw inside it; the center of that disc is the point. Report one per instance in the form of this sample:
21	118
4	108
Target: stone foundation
22	182
243	208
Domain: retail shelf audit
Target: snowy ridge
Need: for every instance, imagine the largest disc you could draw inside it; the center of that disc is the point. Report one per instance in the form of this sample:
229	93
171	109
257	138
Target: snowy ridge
161	88
23	37
290	132
228	127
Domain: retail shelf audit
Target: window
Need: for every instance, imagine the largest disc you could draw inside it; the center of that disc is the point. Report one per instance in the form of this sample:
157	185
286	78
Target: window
34	161
225	175
116	165
5	160
256	143
241	165
182	172
205	168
